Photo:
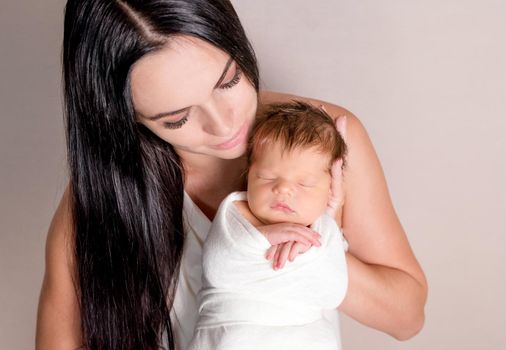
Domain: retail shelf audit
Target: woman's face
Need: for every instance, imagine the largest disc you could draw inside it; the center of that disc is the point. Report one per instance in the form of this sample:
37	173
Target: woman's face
195	97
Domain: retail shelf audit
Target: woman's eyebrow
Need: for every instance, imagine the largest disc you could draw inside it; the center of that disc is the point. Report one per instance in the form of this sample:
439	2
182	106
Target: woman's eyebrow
224	73
167	114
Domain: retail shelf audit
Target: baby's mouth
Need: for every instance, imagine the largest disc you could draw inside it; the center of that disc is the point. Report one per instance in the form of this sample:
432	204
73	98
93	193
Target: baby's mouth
285	208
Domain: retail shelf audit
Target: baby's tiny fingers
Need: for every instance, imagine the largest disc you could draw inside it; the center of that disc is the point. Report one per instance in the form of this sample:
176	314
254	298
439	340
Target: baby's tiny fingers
312	236
276	257
285	250
296	249
295	236
270	252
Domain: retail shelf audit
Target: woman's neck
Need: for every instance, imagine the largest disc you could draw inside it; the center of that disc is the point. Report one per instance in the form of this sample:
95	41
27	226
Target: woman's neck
198	165
208	180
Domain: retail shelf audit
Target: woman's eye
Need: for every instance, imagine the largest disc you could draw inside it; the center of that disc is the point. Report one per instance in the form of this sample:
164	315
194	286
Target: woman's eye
235	79
176	124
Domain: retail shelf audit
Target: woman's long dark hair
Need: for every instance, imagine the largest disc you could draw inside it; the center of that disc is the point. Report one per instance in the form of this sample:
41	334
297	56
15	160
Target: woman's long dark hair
127	184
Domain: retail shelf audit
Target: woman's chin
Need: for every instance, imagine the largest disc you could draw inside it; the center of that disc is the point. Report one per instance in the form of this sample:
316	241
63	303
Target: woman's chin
232	153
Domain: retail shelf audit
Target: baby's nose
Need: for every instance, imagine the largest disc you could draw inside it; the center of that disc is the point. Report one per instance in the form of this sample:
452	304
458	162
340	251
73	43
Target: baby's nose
283	187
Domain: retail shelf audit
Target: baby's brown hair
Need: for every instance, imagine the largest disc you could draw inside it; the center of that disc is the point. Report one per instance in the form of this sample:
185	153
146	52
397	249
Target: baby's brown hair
296	124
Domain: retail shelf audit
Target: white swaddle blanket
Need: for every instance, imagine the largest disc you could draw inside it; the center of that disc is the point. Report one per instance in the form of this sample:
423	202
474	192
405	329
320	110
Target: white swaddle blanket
245	304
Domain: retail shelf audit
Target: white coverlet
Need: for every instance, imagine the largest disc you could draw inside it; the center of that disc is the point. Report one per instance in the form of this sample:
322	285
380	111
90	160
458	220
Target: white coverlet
245	304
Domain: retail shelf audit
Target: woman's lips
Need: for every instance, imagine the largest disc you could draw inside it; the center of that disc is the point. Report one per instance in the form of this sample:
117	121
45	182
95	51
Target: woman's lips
235	140
282	207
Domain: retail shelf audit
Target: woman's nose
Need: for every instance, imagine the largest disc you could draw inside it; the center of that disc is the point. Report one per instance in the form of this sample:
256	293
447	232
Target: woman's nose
218	120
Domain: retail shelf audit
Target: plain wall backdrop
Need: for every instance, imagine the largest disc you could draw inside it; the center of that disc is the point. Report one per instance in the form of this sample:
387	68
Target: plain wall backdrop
427	79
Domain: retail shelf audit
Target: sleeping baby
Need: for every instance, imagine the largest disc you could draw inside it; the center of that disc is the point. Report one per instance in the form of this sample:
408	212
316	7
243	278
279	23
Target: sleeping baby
244	302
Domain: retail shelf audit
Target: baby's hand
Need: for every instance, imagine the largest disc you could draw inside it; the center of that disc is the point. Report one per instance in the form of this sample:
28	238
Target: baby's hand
286	232
288	240
279	253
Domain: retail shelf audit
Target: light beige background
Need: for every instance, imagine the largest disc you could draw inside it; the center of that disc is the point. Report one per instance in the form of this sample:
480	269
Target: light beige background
428	80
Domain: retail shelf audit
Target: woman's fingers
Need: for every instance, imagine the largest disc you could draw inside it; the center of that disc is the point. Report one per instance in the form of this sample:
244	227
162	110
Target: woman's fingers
340	122
341	126
336	198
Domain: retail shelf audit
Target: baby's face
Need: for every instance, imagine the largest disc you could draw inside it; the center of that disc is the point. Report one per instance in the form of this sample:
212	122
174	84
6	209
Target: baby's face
289	187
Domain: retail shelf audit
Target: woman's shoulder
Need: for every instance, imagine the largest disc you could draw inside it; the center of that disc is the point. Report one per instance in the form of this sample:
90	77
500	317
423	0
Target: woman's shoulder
60	244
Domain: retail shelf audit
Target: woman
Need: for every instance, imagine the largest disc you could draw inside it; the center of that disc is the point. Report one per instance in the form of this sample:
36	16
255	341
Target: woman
159	97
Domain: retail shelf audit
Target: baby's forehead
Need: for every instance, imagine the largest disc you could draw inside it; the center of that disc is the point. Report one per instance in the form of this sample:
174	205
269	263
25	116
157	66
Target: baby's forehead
310	164
285	153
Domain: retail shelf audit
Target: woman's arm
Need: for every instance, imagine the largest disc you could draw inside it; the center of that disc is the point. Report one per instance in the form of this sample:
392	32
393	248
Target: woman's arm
58	325
387	289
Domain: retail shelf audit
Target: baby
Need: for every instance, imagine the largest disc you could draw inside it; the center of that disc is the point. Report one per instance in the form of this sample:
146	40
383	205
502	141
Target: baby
244	302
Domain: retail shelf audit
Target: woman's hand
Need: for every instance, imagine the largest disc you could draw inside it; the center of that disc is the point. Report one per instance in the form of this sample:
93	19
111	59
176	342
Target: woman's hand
336	199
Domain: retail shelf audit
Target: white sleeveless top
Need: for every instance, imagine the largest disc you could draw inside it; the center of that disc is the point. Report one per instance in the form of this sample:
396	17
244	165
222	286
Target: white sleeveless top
184	314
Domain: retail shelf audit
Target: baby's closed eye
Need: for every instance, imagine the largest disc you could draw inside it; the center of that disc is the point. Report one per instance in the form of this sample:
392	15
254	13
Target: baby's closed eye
263	176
